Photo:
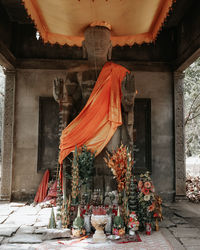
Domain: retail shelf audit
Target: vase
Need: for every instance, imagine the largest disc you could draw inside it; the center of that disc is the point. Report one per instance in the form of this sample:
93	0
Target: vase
108	227
132	232
148	228
87	223
99	222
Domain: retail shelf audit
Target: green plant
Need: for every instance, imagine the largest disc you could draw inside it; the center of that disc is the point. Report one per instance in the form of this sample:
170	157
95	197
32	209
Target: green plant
85	161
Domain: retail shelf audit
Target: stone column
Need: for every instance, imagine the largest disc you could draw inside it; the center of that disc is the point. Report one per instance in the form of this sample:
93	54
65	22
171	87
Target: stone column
180	169
7	140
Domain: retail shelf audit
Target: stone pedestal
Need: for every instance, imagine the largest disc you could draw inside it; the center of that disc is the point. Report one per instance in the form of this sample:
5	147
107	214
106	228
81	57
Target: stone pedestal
99	222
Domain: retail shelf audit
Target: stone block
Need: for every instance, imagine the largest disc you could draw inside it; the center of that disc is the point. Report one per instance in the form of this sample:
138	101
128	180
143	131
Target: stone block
5	211
3	218
173	241
25	229
7	230
45	211
25	238
41	224
15	219
16	247
28	210
190	242
185	225
56	233
185	232
178	220
17	204
40	230
166	223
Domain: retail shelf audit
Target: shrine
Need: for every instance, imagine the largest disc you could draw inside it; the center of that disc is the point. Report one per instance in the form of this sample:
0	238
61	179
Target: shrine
93	116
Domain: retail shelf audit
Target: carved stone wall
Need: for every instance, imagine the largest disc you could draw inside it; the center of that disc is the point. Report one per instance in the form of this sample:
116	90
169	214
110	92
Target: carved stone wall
7	143
180	171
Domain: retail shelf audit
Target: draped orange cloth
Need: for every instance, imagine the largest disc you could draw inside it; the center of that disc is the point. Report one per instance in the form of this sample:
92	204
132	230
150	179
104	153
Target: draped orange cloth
99	119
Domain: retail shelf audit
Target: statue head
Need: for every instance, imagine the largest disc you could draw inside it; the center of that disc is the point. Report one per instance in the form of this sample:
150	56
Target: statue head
97	44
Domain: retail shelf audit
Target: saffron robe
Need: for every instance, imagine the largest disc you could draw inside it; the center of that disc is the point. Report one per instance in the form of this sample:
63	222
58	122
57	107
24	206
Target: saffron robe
99	119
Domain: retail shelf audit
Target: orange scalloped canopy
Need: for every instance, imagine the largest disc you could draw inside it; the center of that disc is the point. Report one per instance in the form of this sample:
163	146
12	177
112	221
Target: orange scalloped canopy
132	21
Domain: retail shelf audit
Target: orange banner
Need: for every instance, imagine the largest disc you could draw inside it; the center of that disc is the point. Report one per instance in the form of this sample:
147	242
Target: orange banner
100	117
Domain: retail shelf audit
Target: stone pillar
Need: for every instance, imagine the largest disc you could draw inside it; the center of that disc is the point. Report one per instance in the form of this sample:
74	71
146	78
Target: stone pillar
7	140
180	169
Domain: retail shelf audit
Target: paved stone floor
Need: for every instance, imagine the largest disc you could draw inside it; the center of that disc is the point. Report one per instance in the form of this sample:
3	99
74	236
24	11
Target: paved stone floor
21	227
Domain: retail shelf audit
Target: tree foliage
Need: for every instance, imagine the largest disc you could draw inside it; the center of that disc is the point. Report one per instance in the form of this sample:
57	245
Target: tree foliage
192	109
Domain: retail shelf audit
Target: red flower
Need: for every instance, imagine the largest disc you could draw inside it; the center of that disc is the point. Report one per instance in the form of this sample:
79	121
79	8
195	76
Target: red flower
151	207
145	191
147	184
155	215
140	184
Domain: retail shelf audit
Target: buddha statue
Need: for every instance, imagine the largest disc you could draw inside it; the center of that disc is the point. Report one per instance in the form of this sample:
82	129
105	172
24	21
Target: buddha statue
73	93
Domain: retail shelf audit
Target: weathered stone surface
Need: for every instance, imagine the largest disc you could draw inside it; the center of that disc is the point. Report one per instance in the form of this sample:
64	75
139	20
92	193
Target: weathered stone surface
3	218
25	229
185	214
56	233
174	242
28	210
185	232
1	239
16	247
7	230
45	211
41	224
8	128
21	219
179	134
25	238
17	204
5	211
193	248
178	220
40	230
166	223
194	221
185	225
190	242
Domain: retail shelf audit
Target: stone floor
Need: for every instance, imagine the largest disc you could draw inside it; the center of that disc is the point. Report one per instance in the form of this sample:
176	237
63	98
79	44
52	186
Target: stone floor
21	227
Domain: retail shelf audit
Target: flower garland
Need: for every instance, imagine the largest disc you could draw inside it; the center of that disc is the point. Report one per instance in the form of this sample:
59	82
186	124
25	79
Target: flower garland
146	204
117	162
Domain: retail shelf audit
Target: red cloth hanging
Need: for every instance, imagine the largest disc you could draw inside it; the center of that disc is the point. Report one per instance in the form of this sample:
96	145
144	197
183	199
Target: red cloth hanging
42	189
